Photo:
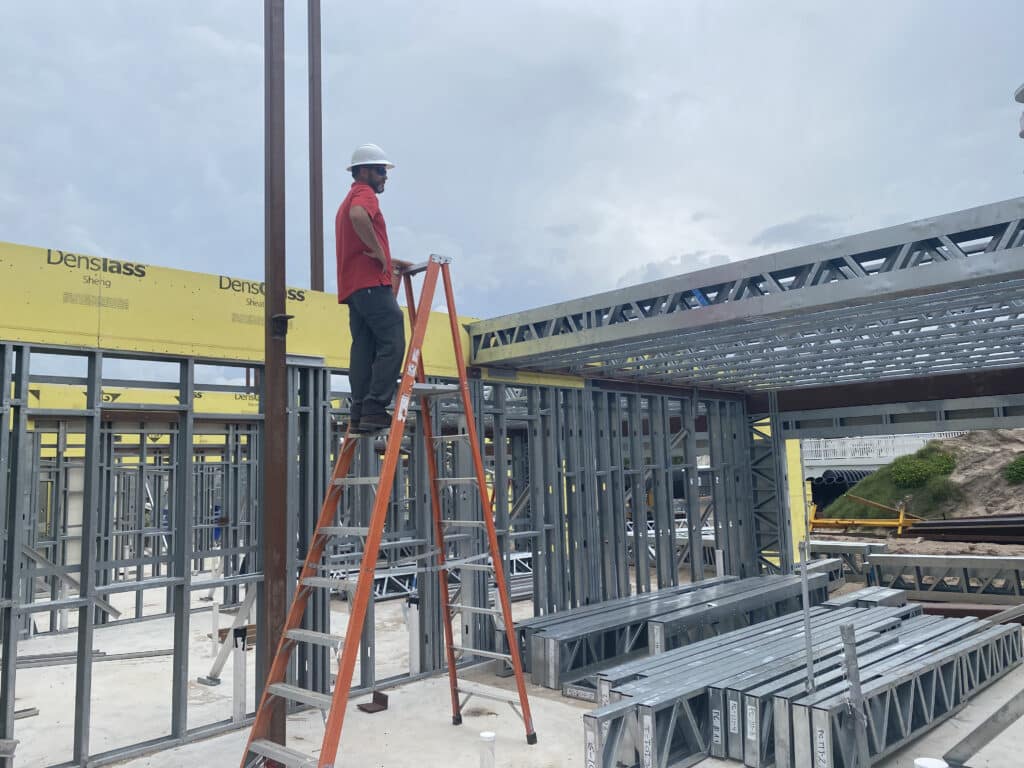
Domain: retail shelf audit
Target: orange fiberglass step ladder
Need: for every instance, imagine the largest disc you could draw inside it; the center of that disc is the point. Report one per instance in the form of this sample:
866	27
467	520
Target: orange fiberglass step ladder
260	750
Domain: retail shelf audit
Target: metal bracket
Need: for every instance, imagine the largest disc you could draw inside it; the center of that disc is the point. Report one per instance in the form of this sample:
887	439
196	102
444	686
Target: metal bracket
279	325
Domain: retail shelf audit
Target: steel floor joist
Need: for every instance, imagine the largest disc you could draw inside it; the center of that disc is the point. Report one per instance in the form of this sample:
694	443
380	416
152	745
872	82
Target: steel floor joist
854	554
666	719
928	297
910	699
951	578
571	648
773	597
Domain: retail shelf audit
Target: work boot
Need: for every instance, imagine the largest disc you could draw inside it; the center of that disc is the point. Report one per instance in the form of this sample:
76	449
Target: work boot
375	422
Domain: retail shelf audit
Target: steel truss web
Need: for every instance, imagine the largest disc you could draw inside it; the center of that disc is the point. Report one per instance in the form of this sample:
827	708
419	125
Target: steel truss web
936	296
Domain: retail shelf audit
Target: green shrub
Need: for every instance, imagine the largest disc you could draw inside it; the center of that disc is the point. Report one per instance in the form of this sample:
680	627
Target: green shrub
911	472
942	462
937	491
1014	471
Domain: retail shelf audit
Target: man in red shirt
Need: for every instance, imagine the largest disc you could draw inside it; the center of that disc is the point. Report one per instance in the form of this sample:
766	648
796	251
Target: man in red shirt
365	276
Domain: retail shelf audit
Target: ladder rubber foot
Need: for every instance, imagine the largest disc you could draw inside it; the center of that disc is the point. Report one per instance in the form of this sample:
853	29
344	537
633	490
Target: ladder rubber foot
456	719
531	738
211	681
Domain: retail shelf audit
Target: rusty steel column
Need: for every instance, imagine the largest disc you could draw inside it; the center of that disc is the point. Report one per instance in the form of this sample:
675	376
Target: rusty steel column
316	161
275	382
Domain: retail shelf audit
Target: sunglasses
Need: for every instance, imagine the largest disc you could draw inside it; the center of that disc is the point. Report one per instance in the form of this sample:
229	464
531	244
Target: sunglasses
380	170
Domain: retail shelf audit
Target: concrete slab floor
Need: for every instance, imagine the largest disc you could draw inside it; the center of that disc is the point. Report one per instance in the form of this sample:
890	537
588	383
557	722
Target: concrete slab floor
131	701
416	732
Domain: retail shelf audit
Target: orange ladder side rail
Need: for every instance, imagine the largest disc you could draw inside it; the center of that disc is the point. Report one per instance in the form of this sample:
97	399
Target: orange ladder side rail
378	519
279	667
486	506
435	513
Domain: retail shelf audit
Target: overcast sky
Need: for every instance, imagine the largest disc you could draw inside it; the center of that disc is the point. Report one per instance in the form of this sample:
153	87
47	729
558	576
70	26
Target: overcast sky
554	149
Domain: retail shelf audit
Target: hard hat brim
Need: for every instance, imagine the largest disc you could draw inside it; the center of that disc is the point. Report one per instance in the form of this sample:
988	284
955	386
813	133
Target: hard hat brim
386	164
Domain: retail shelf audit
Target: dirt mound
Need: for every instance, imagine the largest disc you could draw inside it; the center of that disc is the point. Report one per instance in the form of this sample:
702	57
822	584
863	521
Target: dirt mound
980	458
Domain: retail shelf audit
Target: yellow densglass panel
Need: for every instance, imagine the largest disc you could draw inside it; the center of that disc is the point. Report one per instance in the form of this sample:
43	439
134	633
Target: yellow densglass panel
50	296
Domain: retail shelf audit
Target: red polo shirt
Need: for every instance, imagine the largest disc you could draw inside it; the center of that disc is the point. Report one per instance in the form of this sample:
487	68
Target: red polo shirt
356	270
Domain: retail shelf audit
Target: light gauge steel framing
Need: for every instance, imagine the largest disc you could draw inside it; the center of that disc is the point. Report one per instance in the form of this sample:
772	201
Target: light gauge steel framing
934	296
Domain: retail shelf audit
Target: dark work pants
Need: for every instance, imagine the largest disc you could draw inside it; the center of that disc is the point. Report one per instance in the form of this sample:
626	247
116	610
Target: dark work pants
378	349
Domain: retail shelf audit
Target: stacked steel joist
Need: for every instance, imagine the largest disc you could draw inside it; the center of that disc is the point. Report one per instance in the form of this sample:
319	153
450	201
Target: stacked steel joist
834	567
956	578
565	649
744	695
988	529
854	554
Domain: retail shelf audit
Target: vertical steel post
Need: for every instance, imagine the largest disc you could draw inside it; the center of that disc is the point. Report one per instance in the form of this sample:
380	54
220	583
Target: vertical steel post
12	416
863	759
694	524
184	516
785	527
87	576
275	383
616	478
316	163
661	489
806	603
638	495
543	602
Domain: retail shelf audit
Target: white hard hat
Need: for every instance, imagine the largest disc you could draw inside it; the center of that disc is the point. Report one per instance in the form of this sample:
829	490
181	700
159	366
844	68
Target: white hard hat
369	154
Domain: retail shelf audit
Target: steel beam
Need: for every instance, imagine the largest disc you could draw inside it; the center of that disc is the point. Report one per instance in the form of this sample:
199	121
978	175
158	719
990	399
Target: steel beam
710	325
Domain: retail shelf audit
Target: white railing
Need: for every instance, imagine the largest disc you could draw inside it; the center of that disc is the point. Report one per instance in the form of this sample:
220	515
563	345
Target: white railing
879	450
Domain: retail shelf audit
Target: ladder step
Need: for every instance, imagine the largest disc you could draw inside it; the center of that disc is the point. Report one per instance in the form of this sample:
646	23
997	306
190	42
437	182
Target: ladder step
357	481
342	585
435	390
453	565
484	654
315	638
301	695
486	691
458	563
476	609
456	480
467	523
452	436
344	530
283	755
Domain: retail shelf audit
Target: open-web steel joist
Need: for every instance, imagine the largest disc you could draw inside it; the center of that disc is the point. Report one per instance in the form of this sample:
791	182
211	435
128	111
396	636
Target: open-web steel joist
939	295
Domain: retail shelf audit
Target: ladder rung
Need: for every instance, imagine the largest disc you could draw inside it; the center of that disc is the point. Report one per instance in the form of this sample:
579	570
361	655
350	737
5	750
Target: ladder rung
460	564
342	585
301	695
344	530
456	480
486	691
315	638
476	609
484	654
283	755
434	390
452	436
357	481
467	523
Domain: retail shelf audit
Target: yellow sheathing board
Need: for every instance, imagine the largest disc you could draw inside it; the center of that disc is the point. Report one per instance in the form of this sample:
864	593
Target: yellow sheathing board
48	296
530	378
795	476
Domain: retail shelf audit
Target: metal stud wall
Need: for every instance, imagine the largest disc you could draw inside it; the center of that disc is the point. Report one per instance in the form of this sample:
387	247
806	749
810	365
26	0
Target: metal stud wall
598	492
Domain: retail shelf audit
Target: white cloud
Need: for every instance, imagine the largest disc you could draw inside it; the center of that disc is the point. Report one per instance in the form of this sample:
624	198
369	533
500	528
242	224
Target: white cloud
552	148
